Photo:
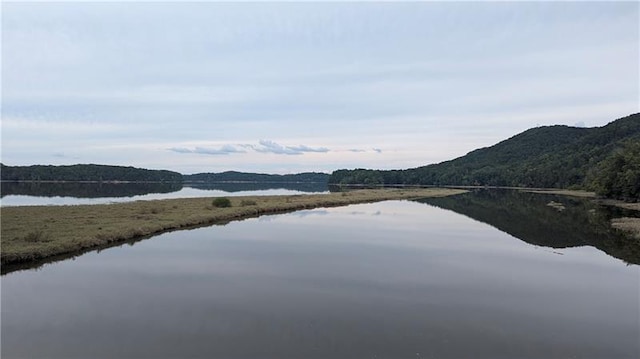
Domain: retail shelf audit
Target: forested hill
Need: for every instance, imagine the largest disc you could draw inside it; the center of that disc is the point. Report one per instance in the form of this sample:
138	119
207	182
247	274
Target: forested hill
232	176
605	159
86	172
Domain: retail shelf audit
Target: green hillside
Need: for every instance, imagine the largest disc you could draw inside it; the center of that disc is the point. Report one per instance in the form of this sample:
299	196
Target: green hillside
605	159
88	172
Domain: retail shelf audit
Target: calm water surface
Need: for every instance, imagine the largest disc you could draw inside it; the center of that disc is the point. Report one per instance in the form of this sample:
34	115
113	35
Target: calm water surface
394	279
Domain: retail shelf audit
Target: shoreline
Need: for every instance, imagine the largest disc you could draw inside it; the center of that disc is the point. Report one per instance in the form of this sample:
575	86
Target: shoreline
32	234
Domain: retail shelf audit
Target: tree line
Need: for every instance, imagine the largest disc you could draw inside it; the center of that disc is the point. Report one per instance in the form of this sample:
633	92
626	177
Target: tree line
86	173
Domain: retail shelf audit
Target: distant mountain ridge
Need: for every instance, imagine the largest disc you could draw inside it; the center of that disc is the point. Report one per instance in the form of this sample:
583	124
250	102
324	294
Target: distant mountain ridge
605	159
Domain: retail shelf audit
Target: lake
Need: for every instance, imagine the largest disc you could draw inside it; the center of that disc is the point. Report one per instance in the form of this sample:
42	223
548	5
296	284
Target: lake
461	277
72	193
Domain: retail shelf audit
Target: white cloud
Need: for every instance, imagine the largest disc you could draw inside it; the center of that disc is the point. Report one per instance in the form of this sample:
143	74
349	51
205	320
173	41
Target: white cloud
303	148
267	146
224	150
264	146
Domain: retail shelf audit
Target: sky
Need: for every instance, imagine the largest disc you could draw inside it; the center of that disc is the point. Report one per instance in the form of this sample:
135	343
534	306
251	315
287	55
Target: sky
281	87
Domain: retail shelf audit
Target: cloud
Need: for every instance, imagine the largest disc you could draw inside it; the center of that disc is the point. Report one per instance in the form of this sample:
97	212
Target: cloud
224	150
180	150
264	146
360	150
303	148
267	146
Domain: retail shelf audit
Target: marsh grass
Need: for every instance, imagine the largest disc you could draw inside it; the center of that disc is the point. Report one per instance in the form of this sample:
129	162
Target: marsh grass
37	236
627	224
70	229
248	202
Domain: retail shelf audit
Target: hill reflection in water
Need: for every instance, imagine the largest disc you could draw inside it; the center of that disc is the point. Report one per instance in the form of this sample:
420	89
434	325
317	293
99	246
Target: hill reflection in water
538	220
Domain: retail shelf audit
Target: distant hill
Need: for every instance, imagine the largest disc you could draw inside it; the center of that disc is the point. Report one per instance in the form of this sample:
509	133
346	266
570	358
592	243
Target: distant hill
86	172
243	177
605	159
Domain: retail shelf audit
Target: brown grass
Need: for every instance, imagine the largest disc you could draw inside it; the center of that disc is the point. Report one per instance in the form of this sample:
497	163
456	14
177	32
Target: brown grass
627	224
32	233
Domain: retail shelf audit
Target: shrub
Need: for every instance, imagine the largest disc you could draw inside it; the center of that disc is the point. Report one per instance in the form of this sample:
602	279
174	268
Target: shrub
221	202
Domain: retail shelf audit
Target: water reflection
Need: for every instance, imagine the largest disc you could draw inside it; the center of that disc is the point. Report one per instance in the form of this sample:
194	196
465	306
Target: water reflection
246	187
85	190
413	281
546	220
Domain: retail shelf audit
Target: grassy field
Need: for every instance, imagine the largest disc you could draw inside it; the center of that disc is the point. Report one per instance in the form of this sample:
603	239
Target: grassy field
33	233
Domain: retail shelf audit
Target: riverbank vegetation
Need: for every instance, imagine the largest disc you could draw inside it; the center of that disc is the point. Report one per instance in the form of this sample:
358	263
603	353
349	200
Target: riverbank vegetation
32	233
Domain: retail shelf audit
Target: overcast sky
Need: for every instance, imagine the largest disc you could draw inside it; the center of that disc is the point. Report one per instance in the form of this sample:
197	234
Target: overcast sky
292	87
